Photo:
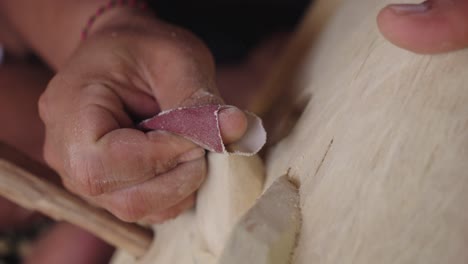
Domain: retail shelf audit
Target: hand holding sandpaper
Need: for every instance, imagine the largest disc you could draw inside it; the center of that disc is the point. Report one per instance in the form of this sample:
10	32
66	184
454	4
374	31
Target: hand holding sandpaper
90	106
201	125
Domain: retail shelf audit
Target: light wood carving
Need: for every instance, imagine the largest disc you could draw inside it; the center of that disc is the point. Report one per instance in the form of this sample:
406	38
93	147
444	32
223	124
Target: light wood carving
199	236
381	150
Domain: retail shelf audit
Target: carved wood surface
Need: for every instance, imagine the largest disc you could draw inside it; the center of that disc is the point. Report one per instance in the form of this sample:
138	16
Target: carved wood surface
381	150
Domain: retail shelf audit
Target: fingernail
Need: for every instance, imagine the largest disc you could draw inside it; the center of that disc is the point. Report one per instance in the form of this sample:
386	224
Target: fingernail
154	134
228	110
233	124
409	9
193	154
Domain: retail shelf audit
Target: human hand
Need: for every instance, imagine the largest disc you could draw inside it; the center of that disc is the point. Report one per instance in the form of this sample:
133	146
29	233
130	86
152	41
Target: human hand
128	70
433	26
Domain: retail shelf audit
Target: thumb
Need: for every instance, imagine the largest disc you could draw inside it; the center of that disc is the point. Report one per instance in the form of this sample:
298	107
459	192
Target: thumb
433	26
232	124
232	121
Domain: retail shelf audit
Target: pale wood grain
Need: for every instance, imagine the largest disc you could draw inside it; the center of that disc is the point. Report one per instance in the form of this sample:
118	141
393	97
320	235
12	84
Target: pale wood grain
381	150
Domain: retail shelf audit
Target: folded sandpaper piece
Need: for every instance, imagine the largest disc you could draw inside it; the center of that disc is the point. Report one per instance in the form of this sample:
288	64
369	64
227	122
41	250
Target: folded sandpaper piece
200	124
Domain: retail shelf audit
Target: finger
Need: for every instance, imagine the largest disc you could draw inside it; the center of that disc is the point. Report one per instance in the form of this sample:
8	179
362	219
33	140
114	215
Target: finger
125	157
172	212
232	124
100	152
430	27
157	194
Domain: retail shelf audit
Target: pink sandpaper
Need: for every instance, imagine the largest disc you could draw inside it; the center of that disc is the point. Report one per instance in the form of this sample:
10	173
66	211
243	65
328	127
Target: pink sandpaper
201	125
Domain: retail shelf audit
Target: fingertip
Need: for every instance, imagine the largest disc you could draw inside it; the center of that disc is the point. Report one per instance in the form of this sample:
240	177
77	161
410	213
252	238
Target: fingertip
232	123
399	24
192	155
429	27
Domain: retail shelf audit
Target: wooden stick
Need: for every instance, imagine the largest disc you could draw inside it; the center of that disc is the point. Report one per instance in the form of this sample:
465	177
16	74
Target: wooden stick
30	191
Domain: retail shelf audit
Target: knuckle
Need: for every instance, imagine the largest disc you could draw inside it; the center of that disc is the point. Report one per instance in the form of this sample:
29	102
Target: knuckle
189	42
46	101
159	163
185	49
191	178
163	165
43	107
199	172
128	210
87	174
